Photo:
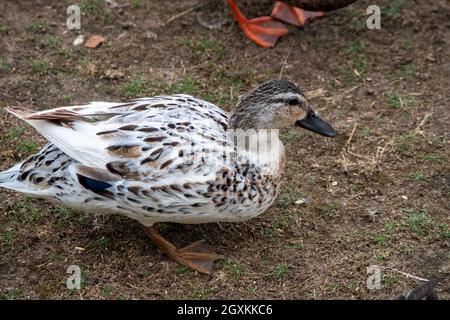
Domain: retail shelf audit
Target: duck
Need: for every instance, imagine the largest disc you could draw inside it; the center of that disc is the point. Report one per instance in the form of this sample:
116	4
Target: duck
266	30
168	158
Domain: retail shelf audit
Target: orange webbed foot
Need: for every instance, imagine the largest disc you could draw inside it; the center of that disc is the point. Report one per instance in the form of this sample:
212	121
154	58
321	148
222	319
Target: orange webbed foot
293	15
264	31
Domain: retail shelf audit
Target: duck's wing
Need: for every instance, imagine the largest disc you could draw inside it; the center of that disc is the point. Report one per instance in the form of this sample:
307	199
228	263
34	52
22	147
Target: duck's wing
140	139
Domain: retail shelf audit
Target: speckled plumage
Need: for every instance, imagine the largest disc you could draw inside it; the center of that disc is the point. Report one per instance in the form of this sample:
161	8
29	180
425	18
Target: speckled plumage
138	159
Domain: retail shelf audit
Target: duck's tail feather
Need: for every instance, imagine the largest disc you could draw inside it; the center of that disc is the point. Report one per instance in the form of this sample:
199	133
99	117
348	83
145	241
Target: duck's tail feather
20	112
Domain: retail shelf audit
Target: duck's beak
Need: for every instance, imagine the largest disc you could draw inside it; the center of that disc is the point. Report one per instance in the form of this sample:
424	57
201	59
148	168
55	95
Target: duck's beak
313	123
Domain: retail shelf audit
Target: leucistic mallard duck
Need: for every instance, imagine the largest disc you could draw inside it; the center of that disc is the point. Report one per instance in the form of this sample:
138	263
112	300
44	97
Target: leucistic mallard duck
265	31
153	160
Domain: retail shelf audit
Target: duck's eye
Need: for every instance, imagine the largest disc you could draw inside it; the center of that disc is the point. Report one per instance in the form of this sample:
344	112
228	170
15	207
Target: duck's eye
293	101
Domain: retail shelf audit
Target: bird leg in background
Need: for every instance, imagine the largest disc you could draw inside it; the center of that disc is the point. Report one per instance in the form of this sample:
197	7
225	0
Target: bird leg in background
264	31
293	15
198	255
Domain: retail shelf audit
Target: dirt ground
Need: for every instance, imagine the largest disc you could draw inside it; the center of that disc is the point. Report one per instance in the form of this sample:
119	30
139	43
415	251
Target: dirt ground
377	194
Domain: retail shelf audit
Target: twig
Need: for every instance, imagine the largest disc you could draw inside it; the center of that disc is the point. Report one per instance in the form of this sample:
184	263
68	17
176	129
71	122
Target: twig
350	90
315	93
408	275
360	156
422	123
351	134
283	66
179	15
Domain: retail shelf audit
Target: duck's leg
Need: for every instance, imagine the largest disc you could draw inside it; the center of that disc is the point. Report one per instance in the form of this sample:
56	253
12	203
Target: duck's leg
198	255
264	31
293	15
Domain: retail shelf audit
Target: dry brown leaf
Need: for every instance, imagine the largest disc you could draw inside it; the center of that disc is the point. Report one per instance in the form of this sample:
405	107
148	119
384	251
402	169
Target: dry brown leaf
94	41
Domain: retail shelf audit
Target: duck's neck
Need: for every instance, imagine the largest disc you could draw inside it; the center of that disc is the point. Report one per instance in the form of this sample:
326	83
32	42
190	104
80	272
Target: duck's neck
245	119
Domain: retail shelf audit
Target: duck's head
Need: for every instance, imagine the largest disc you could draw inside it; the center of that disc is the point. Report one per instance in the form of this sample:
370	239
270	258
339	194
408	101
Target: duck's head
276	104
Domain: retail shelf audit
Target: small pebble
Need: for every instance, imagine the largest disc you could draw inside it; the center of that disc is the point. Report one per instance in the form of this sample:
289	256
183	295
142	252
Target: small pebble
78	40
301	201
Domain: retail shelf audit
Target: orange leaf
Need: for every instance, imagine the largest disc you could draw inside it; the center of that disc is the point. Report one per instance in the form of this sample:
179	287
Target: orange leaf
94	41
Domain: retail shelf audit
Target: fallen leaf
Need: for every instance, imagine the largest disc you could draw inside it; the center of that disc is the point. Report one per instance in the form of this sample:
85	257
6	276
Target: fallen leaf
94	41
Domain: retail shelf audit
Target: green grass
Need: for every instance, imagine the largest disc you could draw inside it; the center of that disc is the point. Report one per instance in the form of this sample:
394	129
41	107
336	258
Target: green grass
280	271
66	98
404	141
366	132
27	146
331	208
438	141
107	290
63	212
390	226
102	242
34	214
219	98
407	71
333	287
390	281
444	231
361	65
382	239
288	198
417	176
37	26
3	29
269	232
40	67
136	86
136	3
358	24
431	158
395	7
203	45
11	295
89	6
187	86
50	41
180	269
353	47
66	53
207	44
15	132
407	249
349	76
417	221
236	271
4	66
394	101
9	235
288	136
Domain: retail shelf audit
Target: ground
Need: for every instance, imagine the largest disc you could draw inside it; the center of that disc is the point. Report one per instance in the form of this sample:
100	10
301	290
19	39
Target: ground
377	194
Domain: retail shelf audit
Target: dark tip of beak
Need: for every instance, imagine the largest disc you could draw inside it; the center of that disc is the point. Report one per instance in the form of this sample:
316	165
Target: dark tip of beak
313	123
